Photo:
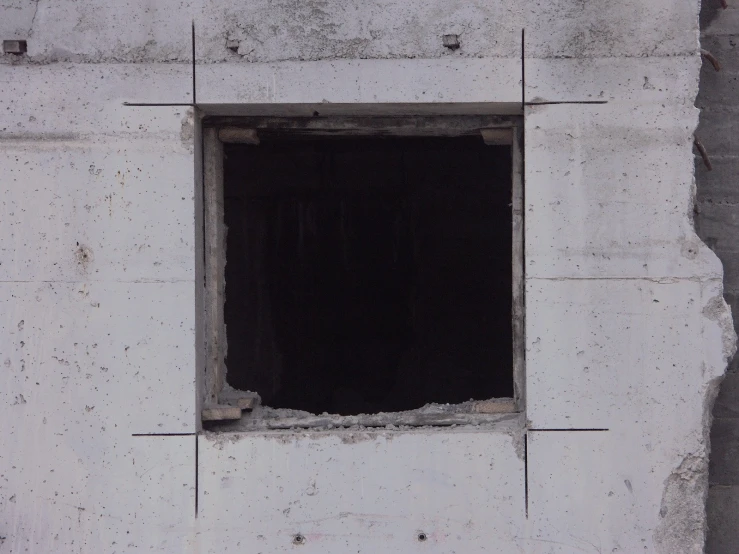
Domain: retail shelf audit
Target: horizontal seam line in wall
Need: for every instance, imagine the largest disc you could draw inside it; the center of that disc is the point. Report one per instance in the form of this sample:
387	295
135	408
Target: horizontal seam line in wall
77	281
163	434
665	280
569	430
38	61
159	104
566	102
44	137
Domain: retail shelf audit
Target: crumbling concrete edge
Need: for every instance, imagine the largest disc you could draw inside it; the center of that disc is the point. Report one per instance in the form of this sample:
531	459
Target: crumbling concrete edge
683	525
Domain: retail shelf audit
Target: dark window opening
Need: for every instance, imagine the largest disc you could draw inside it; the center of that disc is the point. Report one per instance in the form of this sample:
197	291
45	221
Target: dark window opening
369	274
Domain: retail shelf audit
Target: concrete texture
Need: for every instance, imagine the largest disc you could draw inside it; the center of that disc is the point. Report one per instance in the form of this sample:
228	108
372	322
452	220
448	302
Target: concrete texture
575	185
716	221
573	329
363	490
363	82
100	341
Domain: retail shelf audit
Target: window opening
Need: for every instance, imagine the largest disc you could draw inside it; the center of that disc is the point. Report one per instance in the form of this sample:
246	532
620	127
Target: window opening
368	274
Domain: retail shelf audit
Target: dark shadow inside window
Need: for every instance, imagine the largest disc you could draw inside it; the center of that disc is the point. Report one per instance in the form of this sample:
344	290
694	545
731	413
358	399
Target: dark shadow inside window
368	274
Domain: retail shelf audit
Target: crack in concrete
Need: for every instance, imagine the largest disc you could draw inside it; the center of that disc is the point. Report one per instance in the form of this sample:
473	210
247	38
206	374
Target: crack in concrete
33	19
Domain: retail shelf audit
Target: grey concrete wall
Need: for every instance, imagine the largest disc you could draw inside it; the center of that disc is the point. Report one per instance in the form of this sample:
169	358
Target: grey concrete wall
100	280
717	223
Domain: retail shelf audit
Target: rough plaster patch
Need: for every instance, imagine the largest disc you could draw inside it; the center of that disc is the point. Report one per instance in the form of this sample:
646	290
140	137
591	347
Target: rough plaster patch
682	526
717	310
518	439
187	130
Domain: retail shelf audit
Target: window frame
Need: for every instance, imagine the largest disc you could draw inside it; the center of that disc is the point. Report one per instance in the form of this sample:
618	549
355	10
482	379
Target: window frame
219	404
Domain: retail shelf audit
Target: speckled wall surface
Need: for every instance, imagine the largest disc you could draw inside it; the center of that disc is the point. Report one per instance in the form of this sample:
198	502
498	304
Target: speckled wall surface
627	333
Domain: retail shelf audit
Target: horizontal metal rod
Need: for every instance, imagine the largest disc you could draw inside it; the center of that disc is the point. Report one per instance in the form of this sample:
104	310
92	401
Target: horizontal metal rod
566	102
156	104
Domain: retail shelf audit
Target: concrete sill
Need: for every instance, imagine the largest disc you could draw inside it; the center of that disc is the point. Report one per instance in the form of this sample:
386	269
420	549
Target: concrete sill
484	412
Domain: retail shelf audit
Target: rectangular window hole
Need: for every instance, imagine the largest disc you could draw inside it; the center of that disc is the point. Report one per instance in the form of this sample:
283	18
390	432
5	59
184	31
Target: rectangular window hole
368	274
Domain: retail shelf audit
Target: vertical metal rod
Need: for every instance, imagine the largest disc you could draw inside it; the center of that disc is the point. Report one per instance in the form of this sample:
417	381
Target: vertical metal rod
194	98
523	69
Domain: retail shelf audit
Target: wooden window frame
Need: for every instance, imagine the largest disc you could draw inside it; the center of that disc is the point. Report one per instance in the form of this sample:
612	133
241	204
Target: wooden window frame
220	404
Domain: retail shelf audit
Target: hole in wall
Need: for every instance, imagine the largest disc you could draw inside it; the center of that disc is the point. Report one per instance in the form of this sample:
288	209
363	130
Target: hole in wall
16	47
368	274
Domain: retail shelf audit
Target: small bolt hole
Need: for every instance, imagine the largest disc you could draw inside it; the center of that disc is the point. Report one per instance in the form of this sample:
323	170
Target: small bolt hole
422	537
16	47
298	539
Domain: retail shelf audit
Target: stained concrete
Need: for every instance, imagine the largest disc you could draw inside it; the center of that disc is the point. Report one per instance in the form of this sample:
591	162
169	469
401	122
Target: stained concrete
627	331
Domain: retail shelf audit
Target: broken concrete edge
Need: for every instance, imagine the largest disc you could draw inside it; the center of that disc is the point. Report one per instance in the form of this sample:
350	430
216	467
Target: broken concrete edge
387	421
508	424
442	415
682	524
473	412
682	516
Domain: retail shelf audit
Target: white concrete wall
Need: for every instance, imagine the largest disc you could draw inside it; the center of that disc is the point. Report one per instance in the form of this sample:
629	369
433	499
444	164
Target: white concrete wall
99	250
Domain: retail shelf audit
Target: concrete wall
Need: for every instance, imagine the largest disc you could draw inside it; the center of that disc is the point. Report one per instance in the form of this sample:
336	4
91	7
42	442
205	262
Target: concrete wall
716	223
100	283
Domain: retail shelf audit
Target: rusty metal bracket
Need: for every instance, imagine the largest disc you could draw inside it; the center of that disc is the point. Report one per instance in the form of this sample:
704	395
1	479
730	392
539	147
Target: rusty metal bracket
711	58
